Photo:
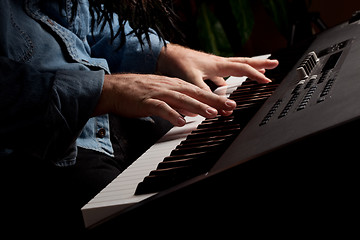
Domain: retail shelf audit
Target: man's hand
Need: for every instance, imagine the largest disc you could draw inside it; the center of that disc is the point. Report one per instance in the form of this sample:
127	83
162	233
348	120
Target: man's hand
195	67
136	95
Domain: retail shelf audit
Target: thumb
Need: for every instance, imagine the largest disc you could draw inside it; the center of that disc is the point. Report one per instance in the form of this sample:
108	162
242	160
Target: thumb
197	80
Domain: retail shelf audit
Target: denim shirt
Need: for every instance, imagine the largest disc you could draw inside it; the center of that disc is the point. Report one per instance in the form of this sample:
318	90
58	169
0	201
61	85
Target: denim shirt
52	70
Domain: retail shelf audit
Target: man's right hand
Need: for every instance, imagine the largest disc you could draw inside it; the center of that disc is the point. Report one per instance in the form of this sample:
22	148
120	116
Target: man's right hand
139	95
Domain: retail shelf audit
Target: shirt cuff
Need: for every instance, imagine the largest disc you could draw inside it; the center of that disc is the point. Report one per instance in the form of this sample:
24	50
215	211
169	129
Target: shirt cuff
80	92
74	97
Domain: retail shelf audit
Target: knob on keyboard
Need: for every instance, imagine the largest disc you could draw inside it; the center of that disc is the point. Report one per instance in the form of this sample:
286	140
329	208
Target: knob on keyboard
307	65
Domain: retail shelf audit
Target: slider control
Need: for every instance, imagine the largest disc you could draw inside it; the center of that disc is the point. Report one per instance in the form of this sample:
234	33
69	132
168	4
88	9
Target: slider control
307	65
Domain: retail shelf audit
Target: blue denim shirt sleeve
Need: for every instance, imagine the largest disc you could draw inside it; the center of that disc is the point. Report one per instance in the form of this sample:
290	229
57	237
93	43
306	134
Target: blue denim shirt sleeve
131	57
52	109
57	75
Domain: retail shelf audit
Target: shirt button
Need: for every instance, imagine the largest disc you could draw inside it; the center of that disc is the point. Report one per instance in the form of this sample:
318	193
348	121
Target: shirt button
101	133
51	22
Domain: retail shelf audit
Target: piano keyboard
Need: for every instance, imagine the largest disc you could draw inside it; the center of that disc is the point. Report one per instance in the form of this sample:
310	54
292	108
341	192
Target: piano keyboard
180	154
313	110
120	193
136	183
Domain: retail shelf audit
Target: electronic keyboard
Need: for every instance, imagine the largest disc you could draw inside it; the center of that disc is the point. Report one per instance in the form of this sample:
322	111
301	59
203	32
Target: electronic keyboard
295	135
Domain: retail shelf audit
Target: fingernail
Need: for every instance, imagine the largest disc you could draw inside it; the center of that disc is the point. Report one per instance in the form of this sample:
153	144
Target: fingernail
226	113
181	122
230	103
211	111
267	80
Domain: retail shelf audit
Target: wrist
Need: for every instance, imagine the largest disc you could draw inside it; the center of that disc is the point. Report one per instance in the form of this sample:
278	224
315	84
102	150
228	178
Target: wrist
103	105
168	60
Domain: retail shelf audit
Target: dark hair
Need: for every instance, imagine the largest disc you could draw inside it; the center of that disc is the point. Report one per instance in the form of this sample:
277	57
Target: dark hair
142	15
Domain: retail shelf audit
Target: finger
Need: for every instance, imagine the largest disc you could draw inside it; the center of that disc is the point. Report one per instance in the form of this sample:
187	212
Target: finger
225	113
159	108
186	96
198	81
189	105
208	98
186	113
196	78
201	84
262	70
257	63
218	81
240	69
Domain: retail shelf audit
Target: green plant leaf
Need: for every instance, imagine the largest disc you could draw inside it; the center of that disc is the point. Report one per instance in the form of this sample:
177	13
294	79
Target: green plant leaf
242	11
212	36
278	11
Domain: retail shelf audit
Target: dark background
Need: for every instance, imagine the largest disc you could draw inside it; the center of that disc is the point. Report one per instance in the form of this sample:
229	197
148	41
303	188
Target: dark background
264	35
